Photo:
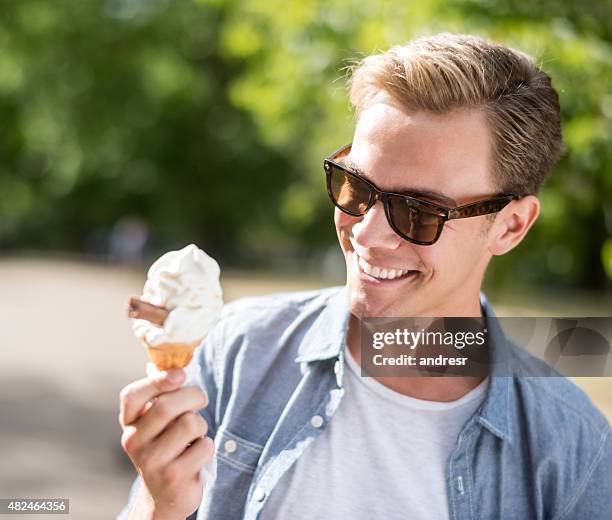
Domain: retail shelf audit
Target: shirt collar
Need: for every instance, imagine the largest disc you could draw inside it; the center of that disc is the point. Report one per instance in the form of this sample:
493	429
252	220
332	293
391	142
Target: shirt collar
494	413
327	335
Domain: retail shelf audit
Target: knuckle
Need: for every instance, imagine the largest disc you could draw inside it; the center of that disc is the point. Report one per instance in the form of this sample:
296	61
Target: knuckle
200	400
162	406
125	394
146	461
203	425
208	450
129	440
208	445
189	421
204	399
197	425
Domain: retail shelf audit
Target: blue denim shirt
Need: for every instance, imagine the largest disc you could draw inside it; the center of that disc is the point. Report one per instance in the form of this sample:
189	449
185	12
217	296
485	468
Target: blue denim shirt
536	448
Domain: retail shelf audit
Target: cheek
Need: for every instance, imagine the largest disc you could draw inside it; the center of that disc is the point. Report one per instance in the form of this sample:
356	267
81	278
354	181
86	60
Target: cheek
468	237
344	224
337	218
456	251
341	219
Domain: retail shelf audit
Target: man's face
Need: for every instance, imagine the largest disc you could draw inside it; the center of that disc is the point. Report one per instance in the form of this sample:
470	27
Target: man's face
446	156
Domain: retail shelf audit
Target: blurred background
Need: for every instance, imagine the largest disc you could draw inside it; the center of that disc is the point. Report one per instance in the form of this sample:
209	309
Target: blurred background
131	127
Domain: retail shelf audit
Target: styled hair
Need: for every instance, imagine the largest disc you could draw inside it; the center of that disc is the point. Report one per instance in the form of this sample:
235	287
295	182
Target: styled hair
445	72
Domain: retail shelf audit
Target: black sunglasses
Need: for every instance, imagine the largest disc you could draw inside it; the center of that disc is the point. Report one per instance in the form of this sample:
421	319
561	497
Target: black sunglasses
418	221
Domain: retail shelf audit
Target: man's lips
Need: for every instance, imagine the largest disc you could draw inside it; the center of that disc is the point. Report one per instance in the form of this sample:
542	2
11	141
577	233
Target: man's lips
382	274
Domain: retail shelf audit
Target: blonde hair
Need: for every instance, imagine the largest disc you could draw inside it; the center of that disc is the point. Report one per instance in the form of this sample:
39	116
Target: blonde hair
452	71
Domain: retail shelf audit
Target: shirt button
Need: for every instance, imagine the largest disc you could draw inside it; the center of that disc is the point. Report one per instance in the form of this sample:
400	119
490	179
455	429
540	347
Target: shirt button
230	446
316	421
336	367
259	494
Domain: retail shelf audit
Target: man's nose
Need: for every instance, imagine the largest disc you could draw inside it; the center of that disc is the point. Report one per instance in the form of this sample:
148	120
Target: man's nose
374	230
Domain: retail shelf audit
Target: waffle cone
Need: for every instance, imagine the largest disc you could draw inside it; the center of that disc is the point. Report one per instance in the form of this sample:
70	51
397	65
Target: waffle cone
171	355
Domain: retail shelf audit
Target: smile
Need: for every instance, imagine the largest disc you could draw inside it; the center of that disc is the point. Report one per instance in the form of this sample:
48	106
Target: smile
382	273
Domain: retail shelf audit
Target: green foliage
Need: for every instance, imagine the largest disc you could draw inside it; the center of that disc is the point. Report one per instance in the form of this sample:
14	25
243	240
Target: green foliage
121	108
209	119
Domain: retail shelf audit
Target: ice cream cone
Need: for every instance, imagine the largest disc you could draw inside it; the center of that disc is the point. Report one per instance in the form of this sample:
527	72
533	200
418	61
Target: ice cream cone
171	355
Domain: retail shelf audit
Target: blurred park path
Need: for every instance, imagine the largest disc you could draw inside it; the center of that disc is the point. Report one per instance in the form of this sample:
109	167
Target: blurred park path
66	350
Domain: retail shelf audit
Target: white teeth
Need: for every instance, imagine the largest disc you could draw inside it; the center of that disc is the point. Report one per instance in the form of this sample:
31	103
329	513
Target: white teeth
382	274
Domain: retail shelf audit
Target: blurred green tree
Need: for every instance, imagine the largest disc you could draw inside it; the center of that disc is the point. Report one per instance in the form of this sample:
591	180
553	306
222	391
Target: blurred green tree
209	119
120	108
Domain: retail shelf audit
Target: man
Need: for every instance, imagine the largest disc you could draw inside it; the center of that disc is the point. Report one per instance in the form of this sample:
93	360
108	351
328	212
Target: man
454	137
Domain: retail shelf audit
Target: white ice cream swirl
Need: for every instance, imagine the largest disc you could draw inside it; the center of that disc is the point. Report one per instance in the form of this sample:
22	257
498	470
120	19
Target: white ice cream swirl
186	282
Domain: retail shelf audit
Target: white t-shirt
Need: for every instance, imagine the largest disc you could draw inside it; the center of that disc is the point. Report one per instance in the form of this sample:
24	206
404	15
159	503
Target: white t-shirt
382	455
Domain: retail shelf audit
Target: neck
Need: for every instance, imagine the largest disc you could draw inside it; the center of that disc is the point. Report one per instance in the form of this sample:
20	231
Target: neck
442	389
467	306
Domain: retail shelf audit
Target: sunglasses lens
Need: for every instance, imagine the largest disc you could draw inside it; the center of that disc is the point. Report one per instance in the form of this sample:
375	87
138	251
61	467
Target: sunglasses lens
414	220
348	192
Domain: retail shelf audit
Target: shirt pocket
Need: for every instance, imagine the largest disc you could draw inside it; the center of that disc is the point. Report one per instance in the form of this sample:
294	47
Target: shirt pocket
237	452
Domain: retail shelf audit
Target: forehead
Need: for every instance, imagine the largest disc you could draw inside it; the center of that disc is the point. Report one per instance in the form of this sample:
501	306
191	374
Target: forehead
421	151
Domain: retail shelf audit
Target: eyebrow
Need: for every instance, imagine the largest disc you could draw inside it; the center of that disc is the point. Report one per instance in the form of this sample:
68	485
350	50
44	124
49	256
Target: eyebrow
433	195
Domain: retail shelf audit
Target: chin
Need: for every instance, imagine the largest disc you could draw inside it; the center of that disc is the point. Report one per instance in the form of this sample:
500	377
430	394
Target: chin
386	302
364	305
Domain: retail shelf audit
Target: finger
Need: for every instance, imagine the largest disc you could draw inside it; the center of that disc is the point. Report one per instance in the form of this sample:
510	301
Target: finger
135	396
197	455
185	430
166	408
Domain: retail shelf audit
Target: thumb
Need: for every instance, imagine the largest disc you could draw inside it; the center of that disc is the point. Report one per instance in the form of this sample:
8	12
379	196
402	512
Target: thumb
167	380
135	396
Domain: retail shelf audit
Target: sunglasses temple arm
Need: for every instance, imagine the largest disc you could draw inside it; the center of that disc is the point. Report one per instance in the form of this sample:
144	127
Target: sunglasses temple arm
477	209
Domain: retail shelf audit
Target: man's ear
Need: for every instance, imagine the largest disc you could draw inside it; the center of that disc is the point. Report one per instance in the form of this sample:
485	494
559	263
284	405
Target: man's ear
512	224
